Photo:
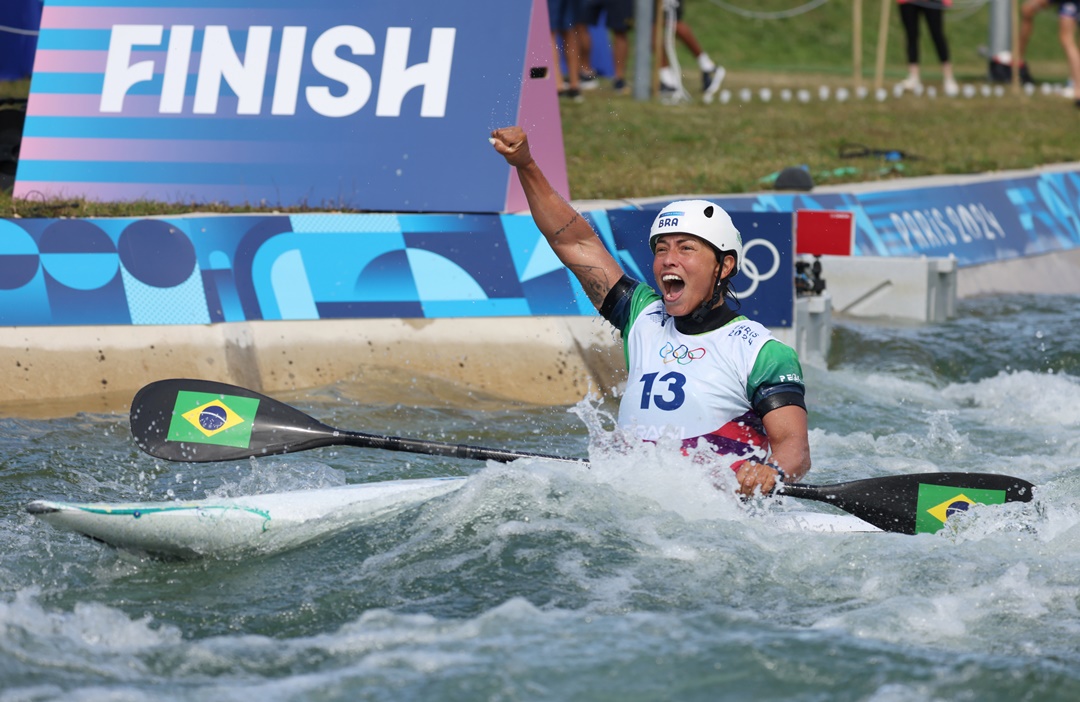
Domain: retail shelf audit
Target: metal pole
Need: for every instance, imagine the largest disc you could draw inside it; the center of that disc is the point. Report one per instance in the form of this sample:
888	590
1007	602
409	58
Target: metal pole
643	37
1000	27
1015	17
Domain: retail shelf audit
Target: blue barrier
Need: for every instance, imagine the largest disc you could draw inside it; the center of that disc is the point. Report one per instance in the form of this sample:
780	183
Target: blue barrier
201	270
980	221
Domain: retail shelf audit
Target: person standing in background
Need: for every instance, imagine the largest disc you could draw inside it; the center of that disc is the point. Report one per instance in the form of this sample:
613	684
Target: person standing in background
563	17
620	19
1068	11
712	75
589	78
934	12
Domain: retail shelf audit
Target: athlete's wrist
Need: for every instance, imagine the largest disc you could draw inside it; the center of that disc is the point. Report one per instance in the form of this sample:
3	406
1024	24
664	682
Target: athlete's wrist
737	465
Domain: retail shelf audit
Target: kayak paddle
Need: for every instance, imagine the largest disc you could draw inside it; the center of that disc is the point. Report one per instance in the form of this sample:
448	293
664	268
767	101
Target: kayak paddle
918	503
199	421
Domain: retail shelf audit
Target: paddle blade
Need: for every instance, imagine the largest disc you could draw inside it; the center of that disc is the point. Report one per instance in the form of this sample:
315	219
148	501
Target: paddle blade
915	504
199	421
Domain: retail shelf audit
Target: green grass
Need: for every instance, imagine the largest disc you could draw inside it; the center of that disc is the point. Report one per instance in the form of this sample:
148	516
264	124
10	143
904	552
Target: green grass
619	148
649	149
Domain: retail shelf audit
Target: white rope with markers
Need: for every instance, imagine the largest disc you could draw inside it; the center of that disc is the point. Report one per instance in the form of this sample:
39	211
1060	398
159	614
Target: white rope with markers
961	9
680	94
779	14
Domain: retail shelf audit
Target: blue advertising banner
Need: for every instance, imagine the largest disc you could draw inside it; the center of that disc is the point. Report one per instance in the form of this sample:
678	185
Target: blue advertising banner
982	221
328	104
202	270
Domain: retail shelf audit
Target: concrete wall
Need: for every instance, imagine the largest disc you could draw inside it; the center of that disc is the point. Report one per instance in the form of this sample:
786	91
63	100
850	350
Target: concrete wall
1048	274
898	287
541	360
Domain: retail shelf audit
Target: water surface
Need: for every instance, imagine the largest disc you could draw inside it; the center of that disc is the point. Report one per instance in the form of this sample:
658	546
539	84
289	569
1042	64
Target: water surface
631	580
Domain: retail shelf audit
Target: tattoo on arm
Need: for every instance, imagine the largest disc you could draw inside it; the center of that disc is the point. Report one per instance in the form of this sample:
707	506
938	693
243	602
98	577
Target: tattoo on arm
566	226
594	281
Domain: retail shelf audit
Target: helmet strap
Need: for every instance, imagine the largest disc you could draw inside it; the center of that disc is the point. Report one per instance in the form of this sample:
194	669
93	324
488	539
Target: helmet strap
711	314
705	307
701	320
719	289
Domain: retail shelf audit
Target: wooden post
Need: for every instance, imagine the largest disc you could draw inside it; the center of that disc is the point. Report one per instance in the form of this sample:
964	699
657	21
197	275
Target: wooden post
856	41
882	43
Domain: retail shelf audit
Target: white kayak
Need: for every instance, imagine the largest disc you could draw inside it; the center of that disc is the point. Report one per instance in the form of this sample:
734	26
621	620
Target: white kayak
231	526
228	526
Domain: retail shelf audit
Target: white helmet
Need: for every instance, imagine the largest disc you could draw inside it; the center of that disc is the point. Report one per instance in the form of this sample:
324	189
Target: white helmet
704	220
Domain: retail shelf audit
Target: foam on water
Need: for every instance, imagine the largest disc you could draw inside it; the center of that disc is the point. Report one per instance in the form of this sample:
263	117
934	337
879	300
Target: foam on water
1022	398
258	477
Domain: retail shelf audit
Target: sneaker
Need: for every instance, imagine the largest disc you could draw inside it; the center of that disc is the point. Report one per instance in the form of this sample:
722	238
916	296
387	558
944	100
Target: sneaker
589	80
911	83
620	87
672	95
952	89
572	94
667	76
707	77
1068	93
712	82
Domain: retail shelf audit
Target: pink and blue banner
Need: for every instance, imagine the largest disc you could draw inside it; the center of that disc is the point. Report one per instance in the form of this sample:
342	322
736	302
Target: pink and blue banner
324	103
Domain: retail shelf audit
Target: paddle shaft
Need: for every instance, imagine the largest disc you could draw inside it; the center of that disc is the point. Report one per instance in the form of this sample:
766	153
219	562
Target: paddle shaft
436	448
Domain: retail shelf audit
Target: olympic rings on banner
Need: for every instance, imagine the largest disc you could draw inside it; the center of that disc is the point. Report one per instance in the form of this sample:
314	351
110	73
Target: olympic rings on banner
750	269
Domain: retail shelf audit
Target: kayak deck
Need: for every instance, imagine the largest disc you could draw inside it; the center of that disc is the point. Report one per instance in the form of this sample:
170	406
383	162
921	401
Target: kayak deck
228	526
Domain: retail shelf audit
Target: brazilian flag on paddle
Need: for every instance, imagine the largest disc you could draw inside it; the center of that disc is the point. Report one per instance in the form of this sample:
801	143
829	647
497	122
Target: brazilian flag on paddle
212	418
938	502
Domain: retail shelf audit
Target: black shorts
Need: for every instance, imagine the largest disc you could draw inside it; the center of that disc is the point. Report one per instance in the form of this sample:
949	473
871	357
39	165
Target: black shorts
620	14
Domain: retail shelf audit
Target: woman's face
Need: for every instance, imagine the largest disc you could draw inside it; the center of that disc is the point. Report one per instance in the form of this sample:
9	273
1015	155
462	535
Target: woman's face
686	270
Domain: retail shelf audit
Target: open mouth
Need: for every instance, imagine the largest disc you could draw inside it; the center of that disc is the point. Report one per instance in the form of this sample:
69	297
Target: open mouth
673	286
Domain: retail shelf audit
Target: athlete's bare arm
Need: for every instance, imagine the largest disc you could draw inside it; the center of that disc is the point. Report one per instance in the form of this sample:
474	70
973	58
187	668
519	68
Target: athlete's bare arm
570	236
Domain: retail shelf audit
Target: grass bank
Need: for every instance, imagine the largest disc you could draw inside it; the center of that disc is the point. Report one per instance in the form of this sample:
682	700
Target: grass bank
618	148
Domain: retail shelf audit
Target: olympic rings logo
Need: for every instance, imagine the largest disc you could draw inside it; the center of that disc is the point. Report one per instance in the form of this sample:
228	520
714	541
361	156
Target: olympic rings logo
681	355
751	270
